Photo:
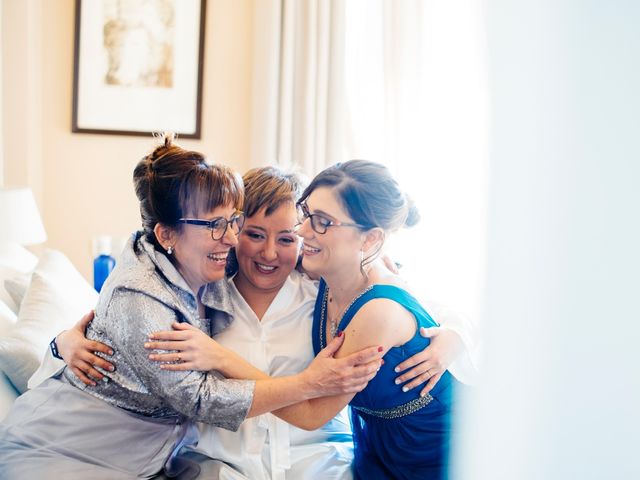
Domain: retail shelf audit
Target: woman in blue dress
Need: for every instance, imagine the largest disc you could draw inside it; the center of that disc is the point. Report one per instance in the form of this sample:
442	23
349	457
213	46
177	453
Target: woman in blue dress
346	214
396	434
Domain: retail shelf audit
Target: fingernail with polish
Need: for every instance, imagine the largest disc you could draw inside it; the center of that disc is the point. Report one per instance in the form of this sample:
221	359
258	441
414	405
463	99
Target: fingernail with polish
397	369
398	381
105	379
380	349
146	345
405	389
339	334
110	352
111	368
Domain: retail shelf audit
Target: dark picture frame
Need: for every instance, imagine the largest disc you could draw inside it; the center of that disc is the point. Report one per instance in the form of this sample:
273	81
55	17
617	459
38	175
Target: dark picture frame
138	67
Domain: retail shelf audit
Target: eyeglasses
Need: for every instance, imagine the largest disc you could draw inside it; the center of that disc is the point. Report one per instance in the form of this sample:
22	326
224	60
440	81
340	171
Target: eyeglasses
320	223
218	225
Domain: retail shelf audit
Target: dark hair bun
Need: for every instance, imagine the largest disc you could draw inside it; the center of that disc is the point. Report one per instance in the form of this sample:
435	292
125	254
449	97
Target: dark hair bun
166	142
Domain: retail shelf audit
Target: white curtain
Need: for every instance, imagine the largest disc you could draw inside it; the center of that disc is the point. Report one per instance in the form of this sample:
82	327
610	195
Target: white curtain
298	91
417	100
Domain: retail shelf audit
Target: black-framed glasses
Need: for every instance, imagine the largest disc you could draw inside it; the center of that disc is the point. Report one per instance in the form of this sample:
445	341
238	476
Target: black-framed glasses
320	223
218	225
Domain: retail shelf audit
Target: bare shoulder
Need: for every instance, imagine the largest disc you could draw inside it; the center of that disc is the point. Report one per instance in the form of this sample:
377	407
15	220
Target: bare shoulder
385	313
381	321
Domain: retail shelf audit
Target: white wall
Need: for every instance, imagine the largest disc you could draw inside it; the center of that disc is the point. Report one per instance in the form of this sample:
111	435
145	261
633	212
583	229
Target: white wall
83	182
561	395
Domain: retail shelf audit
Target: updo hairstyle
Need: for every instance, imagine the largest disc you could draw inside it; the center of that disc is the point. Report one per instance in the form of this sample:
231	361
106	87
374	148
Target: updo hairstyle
172	183
368	193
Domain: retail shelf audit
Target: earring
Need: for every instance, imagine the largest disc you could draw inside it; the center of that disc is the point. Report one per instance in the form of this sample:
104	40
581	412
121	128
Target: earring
362	270
170	250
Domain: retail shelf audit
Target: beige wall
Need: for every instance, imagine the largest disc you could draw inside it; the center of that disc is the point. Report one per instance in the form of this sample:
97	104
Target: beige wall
83	182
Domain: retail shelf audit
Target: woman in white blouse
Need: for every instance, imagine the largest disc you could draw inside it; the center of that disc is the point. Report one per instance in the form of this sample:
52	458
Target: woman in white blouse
272	330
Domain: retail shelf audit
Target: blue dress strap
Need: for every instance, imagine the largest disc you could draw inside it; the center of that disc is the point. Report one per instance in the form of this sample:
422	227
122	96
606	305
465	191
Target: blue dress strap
390	292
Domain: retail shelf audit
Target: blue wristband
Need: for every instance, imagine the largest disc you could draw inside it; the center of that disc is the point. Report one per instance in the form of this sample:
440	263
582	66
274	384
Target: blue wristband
54	349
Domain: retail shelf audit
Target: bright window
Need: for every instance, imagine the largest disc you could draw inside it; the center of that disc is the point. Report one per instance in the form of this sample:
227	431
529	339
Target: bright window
417	100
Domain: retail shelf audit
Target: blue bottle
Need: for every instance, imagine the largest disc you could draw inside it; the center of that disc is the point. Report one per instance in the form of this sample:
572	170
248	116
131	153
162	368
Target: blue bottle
103	263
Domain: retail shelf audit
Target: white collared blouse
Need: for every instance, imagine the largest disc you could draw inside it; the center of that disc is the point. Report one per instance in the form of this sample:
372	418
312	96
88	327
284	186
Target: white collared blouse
266	447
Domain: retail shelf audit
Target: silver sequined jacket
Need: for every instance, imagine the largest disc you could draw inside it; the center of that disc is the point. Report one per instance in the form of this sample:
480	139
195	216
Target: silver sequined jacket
145	294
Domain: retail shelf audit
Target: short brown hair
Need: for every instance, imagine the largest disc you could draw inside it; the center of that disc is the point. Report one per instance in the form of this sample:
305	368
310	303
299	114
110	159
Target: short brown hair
270	187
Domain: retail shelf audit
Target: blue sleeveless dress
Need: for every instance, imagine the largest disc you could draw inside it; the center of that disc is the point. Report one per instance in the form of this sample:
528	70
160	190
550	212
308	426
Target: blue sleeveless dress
395	434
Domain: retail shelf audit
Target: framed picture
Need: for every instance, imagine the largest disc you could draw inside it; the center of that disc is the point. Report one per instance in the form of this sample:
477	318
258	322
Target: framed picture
138	66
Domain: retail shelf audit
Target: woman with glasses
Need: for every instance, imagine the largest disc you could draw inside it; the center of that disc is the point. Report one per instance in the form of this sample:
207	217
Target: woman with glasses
272	330
132	424
346	214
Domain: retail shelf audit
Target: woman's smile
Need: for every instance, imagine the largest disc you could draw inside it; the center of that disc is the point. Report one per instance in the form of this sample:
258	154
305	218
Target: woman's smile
219	258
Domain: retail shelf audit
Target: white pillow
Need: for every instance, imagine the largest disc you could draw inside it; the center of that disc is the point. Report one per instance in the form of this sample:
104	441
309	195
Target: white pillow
57	298
17	257
7	319
15	262
6	274
16	287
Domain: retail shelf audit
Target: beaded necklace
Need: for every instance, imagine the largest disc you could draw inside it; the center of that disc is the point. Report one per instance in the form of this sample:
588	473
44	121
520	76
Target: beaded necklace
335	321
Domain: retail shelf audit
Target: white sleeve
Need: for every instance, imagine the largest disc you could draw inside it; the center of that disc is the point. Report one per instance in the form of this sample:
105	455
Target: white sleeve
49	367
465	367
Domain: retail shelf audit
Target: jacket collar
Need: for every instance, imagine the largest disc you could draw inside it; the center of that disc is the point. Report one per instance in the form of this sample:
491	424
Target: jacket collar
215	295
